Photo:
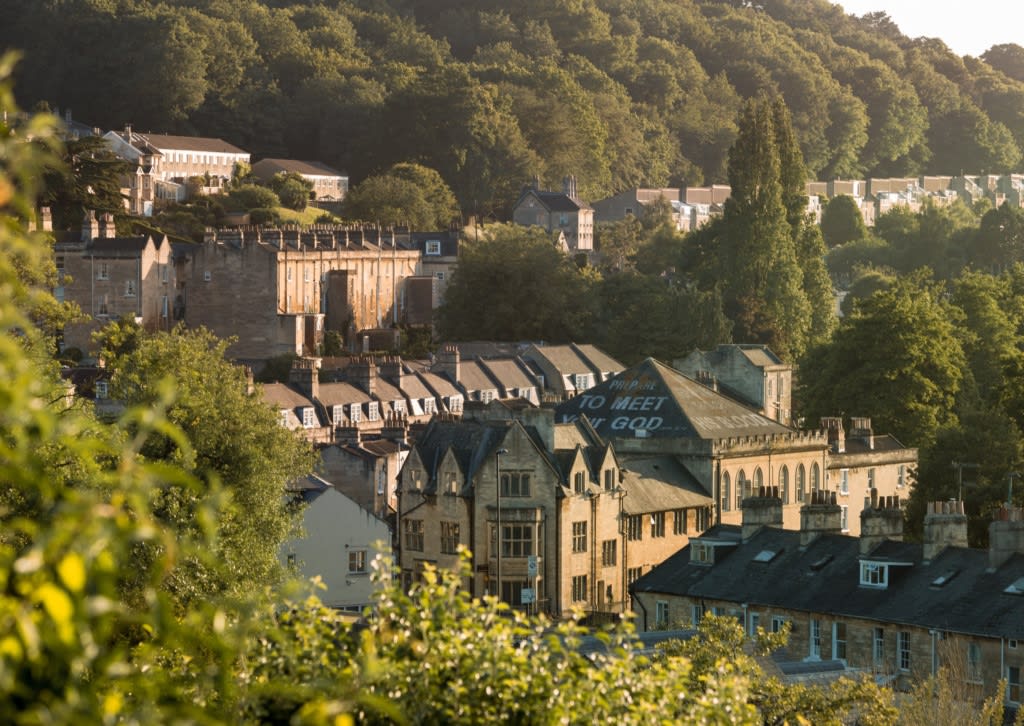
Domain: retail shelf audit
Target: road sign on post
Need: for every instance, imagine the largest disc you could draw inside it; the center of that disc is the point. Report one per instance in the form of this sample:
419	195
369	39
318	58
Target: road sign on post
531	566
526	597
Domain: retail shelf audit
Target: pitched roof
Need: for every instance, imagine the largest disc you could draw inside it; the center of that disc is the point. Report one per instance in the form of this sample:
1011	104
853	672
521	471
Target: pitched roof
310	168
120	246
598	358
665	404
509	373
190	143
336	394
564	358
557	201
954	592
469	441
474	377
284	396
658	483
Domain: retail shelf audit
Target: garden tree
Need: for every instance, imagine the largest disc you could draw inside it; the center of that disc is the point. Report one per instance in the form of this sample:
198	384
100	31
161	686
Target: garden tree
999	242
867	282
617	242
442	204
234	439
648	315
897	357
762	280
845	261
388	200
293	190
87	179
842	221
515	284
989	439
250	196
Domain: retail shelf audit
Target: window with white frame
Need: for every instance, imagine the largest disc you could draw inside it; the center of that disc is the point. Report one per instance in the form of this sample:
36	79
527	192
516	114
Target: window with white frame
874	574
372	411
844	514
337	414
583	381
701	552
838	641
164	272
308	417
696	615
355	413
101	389
753	623
815	639
844	481
903	650
486	396
661	614
871	478
429	406
433	247
398	407
357	562
455	404
579	536
901	475
284	417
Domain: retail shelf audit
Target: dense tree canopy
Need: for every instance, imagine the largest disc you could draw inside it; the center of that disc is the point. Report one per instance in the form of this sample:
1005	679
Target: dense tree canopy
618	93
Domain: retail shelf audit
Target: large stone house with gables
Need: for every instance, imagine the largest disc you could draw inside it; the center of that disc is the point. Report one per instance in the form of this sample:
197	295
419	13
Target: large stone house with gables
576	524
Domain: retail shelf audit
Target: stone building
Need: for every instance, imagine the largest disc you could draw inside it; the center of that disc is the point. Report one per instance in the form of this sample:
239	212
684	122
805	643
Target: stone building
278	290
329	185
576	525
732	450
110	277
751	374
873	604
557	212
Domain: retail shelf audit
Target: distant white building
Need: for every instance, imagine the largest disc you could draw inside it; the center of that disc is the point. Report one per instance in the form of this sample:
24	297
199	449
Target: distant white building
340	541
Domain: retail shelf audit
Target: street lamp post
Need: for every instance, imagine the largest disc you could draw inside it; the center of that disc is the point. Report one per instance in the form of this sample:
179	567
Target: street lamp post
497	476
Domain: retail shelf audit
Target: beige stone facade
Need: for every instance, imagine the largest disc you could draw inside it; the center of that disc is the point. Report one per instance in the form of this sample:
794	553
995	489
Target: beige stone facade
278	291
111	277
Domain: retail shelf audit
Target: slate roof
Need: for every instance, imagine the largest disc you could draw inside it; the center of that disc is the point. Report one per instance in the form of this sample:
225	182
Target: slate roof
284	396
474	377
666	404
120	246
570	435
469	441
335	394
824	578
311	168
883	442
563	358
449	243
557	201
598	358
509	373
658	483
190	143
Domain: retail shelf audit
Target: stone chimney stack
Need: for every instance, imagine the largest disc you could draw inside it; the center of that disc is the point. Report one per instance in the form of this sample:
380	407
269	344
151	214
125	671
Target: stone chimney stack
448	363
880	520
90	227
764	509
107	228
945	525
860	428
1005	536
396	428
347	436
833	426
363	374
569	186
305	376
820	516
707	378
391	369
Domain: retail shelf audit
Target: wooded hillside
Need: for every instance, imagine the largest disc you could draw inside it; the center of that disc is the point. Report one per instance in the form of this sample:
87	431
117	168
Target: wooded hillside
490	93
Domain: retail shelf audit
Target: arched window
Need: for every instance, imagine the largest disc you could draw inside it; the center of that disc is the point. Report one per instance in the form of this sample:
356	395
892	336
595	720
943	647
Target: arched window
742	484
815	477
801	483
758	481
726	501
784	484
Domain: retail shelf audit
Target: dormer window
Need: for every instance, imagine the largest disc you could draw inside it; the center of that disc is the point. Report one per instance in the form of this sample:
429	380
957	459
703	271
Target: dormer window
874	574
486	396
583	381
399	406
355	414
701	553
372	411
433	247
283	418
455	404
308	417
429	406
337	413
